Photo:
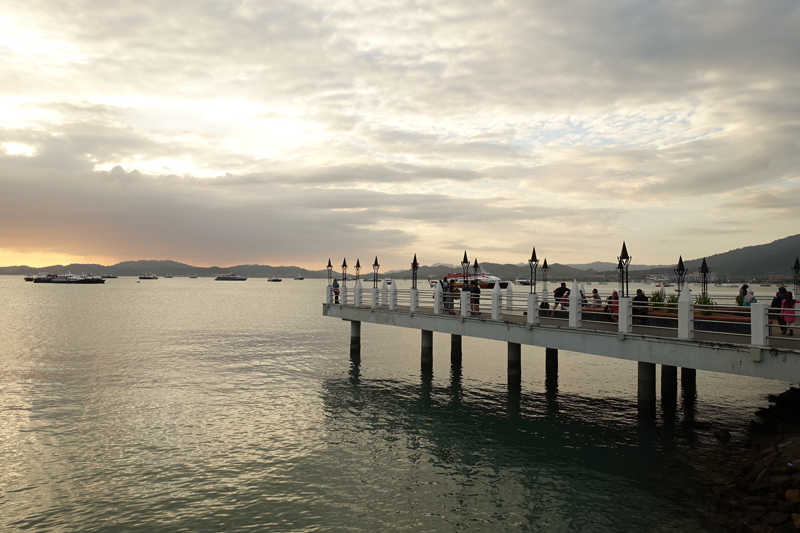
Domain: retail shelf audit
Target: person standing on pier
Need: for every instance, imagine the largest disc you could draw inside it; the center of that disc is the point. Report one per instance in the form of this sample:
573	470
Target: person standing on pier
475	297
336	290
776	305
558	296
639	306
788	313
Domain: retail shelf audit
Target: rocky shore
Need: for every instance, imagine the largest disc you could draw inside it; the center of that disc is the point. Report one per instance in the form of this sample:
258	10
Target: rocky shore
757	485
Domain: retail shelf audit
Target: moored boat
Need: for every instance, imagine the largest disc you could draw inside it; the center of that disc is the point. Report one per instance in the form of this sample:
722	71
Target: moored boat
148	276
69	279
274	278
29	277
109	276
230	277
483	279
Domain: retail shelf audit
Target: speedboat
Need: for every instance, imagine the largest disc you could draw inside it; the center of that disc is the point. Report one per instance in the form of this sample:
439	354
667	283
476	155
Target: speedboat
230	277
148	276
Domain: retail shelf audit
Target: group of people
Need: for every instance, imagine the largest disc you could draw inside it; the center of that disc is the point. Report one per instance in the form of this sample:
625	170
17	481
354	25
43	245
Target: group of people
786	317
450	293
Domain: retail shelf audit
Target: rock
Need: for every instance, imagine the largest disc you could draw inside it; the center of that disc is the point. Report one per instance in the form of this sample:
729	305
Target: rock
774	518
754	512
793	495
722	434
758	487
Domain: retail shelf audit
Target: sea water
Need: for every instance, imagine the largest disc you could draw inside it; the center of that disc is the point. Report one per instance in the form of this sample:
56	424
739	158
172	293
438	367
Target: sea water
199	405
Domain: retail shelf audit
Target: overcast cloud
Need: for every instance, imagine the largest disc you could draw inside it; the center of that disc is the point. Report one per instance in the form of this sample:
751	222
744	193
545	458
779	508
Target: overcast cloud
224	132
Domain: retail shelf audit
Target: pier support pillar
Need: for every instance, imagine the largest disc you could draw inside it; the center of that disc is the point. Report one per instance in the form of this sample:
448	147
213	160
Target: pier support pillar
427	348
688	379
514	362
551	362
355	337
455	350
669	383
647	386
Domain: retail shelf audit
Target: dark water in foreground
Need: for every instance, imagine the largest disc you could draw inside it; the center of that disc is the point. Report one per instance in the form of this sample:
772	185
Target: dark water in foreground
194	405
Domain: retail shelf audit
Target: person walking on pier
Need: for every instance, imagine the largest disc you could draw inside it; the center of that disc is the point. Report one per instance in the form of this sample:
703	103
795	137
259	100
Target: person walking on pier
776	305
336	290
788	313
475	297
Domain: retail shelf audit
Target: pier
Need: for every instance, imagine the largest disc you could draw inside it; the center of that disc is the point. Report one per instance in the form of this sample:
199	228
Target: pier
719	338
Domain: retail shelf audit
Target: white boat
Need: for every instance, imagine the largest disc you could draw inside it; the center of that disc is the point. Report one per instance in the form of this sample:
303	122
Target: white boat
167	275
148	276
274	278
522	281
299	277
230	277
69	279
483	279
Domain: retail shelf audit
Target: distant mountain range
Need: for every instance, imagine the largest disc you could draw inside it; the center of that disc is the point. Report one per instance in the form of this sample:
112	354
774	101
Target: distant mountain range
752	262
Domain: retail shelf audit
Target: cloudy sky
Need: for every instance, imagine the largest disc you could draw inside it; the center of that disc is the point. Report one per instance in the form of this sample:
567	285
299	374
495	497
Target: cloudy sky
218	132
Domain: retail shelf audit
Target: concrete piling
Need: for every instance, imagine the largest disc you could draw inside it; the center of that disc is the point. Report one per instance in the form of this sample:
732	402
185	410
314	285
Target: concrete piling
647	386
669	383
455	350
514	362
427	348
355	337
551	361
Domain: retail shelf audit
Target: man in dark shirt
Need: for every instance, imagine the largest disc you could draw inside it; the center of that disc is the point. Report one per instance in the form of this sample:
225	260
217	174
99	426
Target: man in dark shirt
639	305
558	294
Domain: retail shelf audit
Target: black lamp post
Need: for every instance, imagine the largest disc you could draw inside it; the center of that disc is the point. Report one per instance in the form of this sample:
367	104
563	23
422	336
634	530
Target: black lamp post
534	263
358	269
475	267
330	269
624	261
414	268
680	273
344	272
375	267
796	271
704	278
545	270
465	268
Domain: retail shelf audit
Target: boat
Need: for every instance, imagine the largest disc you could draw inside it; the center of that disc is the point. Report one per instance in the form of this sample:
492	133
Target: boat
274	278
109	276
522	281
69	279
299	277
230	277
148	276
29	277
167	275
193	276
483	278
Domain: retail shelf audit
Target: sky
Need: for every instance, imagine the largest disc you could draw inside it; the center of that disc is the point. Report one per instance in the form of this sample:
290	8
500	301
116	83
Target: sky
216	132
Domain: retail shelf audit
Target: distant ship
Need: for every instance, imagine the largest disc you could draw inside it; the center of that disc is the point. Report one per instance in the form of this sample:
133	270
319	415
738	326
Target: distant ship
299	277
69	279
30	277
193	276
274	278
109	276
229	277
167	275
148	276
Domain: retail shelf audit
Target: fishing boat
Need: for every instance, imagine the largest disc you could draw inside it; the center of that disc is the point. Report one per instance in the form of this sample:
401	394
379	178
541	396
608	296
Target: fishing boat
148	276
230	277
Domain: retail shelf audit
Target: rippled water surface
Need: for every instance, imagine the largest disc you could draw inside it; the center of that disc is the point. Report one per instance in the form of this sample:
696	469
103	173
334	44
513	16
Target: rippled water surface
194	405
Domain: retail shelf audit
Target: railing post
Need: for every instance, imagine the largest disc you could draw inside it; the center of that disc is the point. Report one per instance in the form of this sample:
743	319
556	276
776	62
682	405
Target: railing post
374	302
344	295
625	315
496	305
686	314
414	301
533	309
509	303
464	301
575	306
759	324
357	294
393	297
384	294
545	296
437	299
328	294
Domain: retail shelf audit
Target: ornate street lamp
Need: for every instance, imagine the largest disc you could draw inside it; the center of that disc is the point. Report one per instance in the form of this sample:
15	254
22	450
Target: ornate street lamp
358	268
680	273
375	267
344	272
414	268
704	271
533	262
545	270
475	267
624	261
330	269
465	268
621	280
796	270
